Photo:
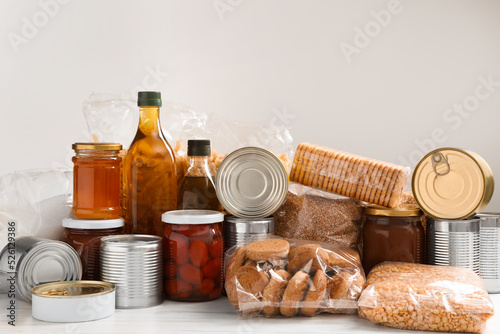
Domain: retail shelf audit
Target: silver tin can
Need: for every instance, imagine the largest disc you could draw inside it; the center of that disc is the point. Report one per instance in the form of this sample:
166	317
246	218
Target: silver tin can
251	182
490	251
454	243
37	261
239	229
133	263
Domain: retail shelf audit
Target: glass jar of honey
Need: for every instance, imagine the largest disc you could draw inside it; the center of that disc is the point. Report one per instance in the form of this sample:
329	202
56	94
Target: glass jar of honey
193	253
85	237
97	181
392	235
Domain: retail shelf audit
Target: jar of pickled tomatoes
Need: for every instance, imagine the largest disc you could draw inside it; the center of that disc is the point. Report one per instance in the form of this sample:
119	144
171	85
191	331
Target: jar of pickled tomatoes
193	253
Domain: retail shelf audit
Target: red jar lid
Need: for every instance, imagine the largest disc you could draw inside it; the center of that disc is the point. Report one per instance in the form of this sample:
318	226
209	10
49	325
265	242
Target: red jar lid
92	224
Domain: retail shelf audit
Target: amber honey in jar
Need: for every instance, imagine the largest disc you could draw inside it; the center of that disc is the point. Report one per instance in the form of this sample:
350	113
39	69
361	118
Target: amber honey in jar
193	254
197	189
85	237
96	181
392	235
150	172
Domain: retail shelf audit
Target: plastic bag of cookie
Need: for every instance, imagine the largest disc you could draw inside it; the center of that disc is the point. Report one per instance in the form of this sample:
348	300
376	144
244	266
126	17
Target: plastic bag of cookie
316	215
278	277
350	175
424	297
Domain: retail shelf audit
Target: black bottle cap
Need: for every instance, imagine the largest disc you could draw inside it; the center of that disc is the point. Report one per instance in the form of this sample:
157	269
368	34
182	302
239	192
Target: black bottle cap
149	99
199	148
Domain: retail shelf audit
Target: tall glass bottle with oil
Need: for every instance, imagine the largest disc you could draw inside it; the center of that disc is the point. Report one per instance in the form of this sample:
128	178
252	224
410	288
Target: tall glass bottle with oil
150	174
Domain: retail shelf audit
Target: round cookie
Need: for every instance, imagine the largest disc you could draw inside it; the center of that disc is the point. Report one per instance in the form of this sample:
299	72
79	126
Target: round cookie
264	250
272	294
338	286
235	262
251	279
344	258
315	294
294	294
308	258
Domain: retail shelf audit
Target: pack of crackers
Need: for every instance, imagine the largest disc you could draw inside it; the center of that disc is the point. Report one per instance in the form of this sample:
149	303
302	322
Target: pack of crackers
350	175
279	277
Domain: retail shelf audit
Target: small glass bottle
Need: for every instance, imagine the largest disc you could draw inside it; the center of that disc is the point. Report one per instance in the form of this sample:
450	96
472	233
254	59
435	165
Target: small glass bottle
96	180
392	235
197	189
150	172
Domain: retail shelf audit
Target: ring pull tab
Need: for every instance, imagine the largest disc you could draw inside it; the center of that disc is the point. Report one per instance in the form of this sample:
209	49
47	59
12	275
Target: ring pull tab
438	160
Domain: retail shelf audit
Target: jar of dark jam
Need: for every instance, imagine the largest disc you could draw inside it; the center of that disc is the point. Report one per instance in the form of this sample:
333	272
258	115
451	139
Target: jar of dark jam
85	237
392	235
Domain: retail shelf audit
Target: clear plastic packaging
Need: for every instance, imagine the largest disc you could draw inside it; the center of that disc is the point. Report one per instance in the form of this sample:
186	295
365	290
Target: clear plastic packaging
424	297
350	175
114	118
278	277
316	215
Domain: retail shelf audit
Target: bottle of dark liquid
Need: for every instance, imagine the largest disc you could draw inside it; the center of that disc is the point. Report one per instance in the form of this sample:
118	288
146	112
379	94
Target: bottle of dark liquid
150	173
197	190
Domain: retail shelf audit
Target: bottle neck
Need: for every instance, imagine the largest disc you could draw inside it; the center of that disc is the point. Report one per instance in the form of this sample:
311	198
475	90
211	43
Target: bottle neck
198	166
149	120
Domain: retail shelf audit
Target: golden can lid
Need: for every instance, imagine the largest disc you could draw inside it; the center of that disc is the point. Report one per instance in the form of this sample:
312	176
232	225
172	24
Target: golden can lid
73	289
406	211
97	146
450	183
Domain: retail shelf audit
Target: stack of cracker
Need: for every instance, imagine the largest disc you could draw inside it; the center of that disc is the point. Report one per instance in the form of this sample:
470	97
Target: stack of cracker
350	175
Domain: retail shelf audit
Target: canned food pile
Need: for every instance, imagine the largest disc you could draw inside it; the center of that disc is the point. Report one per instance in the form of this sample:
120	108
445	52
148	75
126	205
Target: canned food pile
148	226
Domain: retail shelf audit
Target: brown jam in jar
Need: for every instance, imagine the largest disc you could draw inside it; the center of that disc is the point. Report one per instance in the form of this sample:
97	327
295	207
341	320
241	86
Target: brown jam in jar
392	235
85	237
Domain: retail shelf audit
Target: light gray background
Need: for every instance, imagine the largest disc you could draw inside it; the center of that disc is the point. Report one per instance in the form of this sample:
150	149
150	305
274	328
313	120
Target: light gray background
259	61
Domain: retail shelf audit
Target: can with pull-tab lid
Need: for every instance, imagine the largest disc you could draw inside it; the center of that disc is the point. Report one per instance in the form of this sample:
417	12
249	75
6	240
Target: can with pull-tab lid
450	183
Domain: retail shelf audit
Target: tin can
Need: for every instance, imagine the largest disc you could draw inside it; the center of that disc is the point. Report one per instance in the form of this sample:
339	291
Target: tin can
251	182
37	261
490	251
73	301
449	183
133	263
239	229
454	242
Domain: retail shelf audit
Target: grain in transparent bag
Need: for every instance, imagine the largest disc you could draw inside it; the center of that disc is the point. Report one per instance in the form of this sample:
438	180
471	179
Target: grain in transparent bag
425	297
278	277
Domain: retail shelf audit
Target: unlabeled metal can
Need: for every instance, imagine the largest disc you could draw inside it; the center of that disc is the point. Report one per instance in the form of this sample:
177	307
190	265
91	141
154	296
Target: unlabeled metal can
251	182
490	251
73	301
133	263
454	243
449	183
239	229
37	261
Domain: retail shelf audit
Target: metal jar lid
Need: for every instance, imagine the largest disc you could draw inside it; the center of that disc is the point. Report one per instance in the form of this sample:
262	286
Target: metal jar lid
96	146
39	261
73	301
92	224
251	182
393	212
449	183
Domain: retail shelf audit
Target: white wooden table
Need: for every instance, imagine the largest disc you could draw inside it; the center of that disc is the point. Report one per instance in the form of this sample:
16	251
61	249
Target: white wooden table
207	317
